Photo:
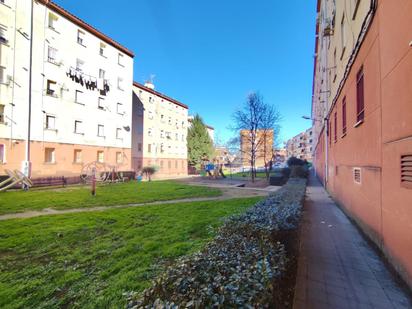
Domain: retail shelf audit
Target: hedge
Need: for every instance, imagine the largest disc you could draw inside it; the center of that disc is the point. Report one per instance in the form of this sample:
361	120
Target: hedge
237	268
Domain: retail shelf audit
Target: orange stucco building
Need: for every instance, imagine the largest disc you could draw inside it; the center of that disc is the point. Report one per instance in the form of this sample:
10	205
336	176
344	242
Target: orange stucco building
263	147
363	150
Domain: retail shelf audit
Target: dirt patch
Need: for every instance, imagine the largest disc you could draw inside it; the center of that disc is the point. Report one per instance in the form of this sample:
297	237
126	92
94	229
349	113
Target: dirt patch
284	287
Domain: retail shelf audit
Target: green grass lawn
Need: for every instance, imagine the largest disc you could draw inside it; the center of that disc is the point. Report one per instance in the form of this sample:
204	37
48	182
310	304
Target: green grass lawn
87	260
110	194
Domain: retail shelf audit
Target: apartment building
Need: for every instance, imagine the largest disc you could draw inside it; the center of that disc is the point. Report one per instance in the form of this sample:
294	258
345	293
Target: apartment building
263	148
81	91
362	111
159	132
301	146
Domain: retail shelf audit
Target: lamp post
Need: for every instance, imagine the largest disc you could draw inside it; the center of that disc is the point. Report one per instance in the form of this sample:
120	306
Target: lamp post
26	165
326	120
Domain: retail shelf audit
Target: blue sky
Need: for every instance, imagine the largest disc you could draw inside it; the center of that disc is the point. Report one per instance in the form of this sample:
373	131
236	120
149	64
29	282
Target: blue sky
211	54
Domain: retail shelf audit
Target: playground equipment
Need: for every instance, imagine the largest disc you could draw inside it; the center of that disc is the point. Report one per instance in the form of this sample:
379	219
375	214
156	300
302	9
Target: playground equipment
101	172
15	177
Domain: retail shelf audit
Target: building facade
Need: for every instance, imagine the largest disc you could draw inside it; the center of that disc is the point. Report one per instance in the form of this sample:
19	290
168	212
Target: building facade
301	146
362	111
81	91
264	151
159	132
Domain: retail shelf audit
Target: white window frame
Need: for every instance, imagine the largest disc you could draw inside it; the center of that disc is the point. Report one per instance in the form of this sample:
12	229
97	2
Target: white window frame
3	153
50	84
100	104
52	157
52	55
119	134
78	127
120	59
52	21
119	160
50	122
119	108
81	37
3	35
79	65
102	74
2	113
120	83
100	130
75	158
78	97
100	160
102	50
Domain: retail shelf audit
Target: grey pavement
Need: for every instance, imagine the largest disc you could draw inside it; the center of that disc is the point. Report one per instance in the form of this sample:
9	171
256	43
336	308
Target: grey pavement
337	267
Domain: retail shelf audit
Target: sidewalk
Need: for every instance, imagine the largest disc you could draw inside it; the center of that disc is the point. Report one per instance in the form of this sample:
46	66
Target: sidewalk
337	268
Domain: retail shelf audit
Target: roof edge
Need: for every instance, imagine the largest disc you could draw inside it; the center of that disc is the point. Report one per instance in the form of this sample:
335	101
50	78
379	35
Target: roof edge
163	96
81	23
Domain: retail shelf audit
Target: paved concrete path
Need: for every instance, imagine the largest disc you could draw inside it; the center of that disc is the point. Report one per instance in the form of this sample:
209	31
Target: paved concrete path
337	268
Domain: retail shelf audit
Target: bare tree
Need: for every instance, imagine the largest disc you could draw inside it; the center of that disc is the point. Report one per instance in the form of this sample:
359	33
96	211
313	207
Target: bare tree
257	122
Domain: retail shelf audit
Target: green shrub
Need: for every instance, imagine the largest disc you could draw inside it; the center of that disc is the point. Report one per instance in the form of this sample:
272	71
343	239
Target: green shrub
292	161
148	171
299	171
238	267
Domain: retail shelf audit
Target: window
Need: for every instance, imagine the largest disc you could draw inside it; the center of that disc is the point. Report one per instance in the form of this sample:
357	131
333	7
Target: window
51	88
150	115
77	157
149	148
169	164
102	73
120	83
150	100
1	113
81	37
79	65
119	108
119	133
336	127
2	74
119	157
162	148
102	50
162	118
2	153
360	104
100	156
52	21
49	155
139	147
3	35
52	55
344	116
330	132
79	97
50	122
161	164
343	35
120	59
100	104
78	127
100	130
162	133
149	132
177	136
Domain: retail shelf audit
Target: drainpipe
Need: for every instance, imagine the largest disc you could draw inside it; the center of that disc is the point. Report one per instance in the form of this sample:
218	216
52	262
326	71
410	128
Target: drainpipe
26	166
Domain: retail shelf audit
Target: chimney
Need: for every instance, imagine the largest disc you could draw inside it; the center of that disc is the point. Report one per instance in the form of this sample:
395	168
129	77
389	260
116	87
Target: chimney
149	85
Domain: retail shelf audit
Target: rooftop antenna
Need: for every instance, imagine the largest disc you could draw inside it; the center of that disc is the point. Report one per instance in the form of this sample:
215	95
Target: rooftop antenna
149	83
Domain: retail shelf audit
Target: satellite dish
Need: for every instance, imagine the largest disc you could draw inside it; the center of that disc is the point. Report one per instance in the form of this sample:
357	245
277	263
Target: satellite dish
127	128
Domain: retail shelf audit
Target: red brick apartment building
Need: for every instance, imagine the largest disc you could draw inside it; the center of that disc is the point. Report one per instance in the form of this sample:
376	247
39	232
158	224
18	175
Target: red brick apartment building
362	117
